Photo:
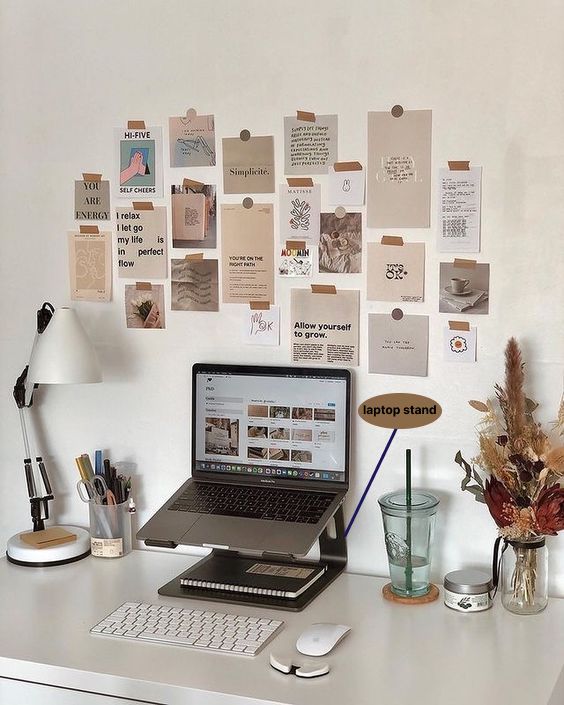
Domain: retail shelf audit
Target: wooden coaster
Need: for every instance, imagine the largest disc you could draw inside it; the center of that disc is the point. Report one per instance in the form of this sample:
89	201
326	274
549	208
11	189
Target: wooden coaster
431	596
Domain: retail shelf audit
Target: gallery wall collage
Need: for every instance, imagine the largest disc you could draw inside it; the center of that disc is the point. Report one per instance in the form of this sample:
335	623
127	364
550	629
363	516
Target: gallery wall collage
237	255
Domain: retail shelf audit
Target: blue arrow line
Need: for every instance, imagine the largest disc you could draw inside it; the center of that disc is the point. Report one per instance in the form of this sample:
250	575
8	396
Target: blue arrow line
359	505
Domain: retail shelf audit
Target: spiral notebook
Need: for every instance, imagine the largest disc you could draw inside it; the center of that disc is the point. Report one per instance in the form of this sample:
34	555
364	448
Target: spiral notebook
288	580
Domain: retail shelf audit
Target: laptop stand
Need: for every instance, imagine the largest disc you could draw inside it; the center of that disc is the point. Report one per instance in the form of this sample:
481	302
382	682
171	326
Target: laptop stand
332	554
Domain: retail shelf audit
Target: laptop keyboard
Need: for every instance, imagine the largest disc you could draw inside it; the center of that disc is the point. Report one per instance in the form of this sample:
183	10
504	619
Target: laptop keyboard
253	502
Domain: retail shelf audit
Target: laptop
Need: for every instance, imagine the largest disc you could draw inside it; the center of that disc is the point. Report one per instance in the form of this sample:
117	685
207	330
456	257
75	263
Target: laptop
270	460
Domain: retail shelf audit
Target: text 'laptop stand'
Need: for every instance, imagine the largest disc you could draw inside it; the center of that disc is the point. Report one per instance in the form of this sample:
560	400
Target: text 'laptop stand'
332	554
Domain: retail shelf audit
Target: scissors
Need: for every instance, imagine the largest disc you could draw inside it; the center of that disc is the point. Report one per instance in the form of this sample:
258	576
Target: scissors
95	489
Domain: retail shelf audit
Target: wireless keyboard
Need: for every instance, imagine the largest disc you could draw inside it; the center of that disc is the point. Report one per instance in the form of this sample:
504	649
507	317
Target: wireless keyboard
198	629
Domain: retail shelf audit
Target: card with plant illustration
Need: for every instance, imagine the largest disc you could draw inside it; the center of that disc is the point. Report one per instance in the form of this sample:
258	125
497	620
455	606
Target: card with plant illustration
300	207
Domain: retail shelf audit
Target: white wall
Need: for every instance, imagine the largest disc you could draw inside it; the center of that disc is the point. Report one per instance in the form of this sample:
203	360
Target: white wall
492	72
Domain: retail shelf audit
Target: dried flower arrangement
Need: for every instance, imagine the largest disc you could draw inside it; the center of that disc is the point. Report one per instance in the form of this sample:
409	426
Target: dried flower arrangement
522	469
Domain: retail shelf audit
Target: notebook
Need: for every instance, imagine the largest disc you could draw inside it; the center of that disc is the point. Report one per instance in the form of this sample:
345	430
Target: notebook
249	575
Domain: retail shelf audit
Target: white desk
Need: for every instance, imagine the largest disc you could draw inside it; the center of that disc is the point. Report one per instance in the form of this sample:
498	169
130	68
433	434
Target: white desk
395	655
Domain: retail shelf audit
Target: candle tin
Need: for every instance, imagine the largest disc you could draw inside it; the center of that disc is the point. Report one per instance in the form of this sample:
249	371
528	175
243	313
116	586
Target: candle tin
468	590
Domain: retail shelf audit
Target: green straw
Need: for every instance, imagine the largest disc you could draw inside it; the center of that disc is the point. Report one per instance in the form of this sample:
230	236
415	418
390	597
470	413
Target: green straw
408	564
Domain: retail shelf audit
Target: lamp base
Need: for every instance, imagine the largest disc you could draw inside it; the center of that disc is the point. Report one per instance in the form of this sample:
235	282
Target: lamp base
21	553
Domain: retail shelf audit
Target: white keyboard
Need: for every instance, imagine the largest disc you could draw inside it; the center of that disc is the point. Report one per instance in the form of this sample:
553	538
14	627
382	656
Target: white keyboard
198	629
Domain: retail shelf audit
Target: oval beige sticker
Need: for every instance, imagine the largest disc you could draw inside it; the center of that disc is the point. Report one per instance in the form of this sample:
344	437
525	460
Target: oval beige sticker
399	410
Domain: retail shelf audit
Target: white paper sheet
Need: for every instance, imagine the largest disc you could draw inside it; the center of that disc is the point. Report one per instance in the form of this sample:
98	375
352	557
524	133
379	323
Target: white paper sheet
262	327
459	210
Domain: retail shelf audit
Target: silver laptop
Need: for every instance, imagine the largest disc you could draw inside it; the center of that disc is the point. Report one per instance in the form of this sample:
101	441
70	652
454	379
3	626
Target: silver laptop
270	460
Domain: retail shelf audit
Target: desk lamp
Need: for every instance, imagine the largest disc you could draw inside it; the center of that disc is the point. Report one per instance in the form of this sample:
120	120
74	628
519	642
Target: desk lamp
61	354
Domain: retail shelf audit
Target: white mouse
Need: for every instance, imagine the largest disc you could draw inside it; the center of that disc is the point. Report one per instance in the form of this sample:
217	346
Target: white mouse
319	639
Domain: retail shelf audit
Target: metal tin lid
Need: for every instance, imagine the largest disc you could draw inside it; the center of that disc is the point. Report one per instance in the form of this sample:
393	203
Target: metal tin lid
468	582
394	503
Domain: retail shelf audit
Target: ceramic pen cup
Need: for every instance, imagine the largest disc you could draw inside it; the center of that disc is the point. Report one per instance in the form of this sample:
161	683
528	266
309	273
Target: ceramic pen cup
110	529
408	531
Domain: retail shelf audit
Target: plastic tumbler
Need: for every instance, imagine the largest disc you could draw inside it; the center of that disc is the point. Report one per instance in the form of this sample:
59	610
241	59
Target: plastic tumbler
110	529
408	531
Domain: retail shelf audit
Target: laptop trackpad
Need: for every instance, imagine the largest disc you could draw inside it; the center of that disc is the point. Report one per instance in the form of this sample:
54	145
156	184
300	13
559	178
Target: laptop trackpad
233	532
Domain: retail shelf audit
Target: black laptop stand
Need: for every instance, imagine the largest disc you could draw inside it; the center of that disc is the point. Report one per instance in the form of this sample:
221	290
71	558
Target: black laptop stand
332	555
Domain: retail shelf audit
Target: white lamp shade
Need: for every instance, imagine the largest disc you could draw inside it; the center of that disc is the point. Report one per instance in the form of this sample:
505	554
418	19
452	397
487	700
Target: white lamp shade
63	353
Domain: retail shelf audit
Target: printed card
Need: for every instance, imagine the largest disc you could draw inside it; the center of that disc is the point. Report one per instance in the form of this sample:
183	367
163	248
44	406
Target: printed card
262	327
310	147
300	208
144	306
399	169
346	188
141	242
459	210
194	221
340	243
396	272
90	265
398	347
139	162
248	166
92	200
192	140
459	345
194	285
464	287
295	262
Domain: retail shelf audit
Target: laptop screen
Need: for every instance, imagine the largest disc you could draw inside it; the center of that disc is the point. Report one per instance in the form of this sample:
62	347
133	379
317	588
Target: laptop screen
281	422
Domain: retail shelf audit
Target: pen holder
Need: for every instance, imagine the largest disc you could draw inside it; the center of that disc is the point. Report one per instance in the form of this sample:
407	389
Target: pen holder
110	529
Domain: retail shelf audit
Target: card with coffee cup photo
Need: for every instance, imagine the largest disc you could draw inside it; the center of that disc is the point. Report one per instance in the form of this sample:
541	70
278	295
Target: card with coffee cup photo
464	288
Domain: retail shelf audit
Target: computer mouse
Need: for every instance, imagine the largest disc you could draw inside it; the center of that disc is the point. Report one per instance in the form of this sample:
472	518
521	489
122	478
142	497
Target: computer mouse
319	639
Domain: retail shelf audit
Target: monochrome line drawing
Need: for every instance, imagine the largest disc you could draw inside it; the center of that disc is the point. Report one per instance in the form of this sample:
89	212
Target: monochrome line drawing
300	215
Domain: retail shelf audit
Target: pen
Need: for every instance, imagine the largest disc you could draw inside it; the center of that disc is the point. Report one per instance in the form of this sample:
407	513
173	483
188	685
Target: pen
98	462
107	472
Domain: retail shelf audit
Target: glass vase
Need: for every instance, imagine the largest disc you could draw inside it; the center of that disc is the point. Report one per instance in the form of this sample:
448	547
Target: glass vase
524	576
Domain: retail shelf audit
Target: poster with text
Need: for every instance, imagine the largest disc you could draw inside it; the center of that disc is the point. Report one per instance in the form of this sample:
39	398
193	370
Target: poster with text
300	208
141	242
90	266
248	165
309	147
459	345
399	169
194	217
247	253
145	306
459	210
295	262
92	200
398	347
340	243
194	285
139	160
192	140
395	272
324	327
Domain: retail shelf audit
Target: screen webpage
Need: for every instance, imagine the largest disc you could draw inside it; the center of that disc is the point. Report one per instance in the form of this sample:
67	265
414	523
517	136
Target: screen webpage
291	427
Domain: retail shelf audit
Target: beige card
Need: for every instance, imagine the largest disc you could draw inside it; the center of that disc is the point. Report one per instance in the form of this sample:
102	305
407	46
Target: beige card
92	200
90	266
192	140
399	169
398	347
248	167
325	327
247	249
396	272
141	242
194	285
188	217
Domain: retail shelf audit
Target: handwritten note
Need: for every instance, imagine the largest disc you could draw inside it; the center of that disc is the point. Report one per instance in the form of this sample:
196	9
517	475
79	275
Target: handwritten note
309	147
262	327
